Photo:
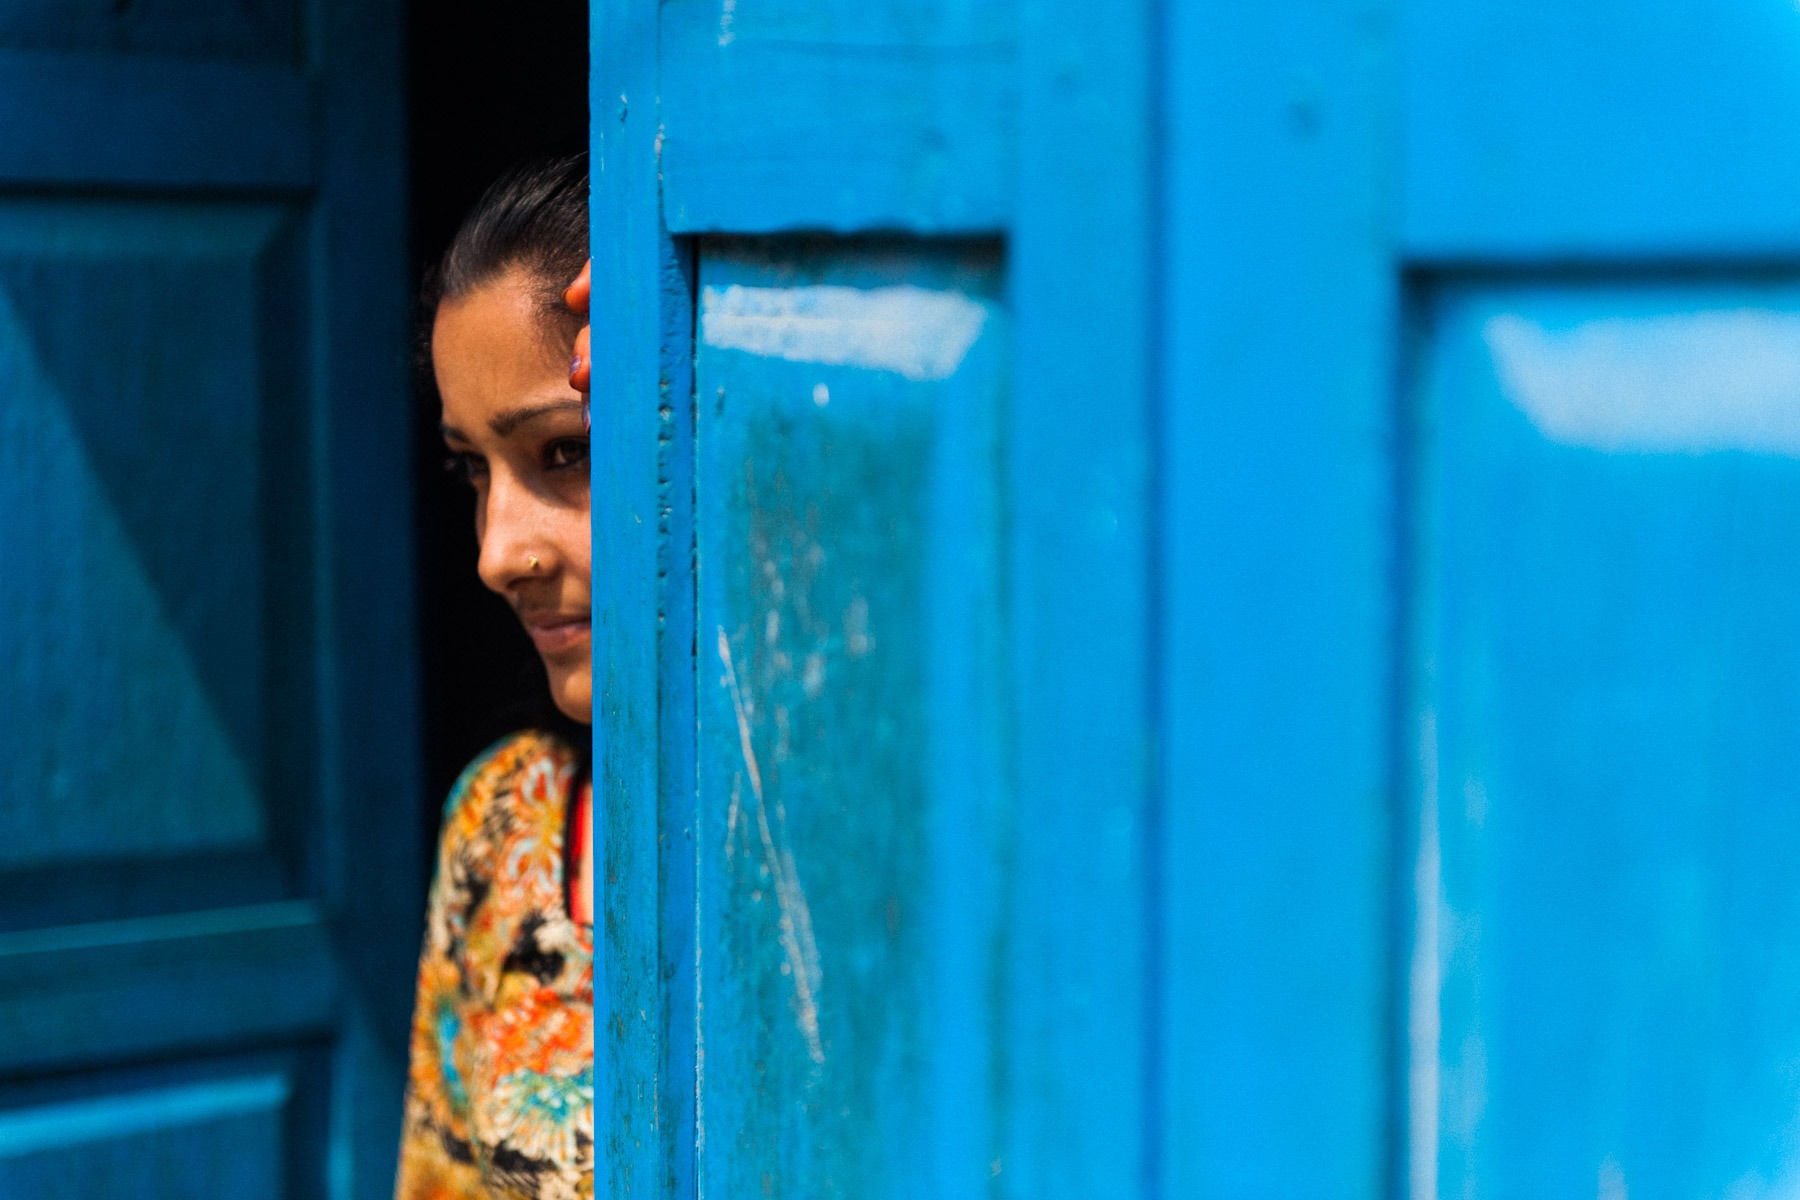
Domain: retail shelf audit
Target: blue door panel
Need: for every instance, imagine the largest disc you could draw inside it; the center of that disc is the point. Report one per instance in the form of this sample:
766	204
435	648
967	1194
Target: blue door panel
208	844
1606	978
851	642
141	452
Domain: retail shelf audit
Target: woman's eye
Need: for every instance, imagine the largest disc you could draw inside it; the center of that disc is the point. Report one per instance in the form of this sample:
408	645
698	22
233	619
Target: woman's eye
565	453
465	466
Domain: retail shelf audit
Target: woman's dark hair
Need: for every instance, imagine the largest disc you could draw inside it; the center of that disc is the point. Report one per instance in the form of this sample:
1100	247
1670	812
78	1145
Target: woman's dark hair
534	218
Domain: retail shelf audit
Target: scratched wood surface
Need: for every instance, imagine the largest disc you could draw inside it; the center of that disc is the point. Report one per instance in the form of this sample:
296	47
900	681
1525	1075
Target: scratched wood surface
852	798
208	892
874	974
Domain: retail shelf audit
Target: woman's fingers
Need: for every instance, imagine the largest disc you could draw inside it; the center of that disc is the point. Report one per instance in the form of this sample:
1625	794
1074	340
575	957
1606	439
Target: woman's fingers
576	296
580	371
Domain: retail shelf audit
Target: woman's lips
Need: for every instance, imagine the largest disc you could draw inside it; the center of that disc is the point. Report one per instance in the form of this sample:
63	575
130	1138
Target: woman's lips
556	633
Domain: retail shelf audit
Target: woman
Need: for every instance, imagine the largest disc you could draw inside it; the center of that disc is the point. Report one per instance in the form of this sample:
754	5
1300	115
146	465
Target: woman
501	1086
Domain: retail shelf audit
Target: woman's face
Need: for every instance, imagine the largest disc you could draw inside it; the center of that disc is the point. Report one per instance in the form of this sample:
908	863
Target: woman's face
514	427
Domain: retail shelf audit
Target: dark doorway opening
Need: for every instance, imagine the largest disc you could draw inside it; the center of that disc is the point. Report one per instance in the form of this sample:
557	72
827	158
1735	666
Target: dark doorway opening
490	84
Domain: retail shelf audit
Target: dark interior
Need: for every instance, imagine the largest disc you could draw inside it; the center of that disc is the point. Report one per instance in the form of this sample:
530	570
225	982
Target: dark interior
490	83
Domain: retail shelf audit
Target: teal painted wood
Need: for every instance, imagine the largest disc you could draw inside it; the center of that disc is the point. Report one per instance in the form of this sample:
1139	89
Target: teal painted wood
1596	781
110	991
155	122
1278	569
206	633
1603	685
142	1143
1600	129
644	647
1258	524
977	983
1079	1042
877	116
853	805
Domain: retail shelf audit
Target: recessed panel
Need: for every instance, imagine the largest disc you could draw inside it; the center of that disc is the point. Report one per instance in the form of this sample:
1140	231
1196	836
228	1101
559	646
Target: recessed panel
227	29
1605	990
133	640
852	806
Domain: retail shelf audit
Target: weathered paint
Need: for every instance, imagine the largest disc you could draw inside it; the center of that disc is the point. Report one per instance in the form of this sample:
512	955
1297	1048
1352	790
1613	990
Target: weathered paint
1394	390
644	644
1681	382
209	892
957	1003
1604	641
846	773
912	331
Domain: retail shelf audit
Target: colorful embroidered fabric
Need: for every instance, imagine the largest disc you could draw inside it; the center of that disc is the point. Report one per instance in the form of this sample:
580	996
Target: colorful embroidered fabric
500	1096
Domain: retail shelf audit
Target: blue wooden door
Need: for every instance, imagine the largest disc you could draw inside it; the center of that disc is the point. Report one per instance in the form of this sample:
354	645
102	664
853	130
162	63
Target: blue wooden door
1202	597
874	854
1481	499
207	881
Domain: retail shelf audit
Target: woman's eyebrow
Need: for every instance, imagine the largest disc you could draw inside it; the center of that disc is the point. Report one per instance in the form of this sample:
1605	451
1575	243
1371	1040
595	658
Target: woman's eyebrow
504	423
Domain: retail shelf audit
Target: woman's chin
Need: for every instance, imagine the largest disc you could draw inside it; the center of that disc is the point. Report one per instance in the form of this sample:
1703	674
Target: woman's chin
573	692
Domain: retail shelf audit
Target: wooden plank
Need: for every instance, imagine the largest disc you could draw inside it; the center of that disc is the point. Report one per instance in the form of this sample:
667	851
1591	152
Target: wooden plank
363	679
1279	327
1539	129
800	127
644	1056
143	122
1078	1047
89	994
223	1138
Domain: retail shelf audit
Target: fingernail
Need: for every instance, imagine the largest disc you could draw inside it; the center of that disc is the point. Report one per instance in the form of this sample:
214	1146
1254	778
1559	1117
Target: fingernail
575	364
587	420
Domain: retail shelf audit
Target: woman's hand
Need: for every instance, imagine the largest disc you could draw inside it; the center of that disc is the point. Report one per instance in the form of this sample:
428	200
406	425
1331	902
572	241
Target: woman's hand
576	297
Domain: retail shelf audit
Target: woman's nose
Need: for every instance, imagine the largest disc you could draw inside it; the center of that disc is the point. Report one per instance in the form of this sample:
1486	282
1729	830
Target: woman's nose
511	550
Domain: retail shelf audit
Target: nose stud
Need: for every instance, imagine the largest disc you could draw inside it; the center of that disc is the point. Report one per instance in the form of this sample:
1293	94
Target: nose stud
531	562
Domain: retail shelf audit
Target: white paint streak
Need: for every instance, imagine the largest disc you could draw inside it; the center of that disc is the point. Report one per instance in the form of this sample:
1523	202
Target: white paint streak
1424	1022
1727	379
911	331
733	815
727	15
1612	1181
795	916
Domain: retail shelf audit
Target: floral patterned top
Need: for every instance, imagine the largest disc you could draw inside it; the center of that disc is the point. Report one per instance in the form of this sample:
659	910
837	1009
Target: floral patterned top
500	1094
